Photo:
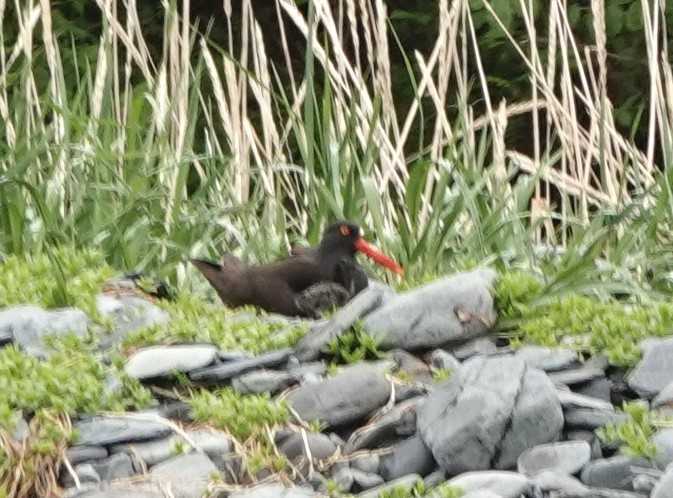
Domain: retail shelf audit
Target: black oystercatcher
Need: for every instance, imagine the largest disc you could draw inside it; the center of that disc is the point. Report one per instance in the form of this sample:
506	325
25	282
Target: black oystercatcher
303	283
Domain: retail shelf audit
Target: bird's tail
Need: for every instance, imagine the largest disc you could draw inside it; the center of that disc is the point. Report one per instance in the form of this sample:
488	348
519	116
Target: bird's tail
225	277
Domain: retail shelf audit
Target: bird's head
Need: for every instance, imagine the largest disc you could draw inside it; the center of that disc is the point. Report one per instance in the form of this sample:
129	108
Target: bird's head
344	237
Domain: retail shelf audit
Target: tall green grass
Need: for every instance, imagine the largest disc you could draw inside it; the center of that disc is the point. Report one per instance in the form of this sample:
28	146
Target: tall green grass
207	149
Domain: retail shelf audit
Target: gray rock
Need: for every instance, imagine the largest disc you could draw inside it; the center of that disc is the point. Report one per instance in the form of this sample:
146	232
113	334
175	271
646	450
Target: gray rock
29	326
162	361
600	388
344	479
84	472
547	359
582	418
213	443
408	456
407	482
664	488
104	431
138	491
350	395
363	481
663	441
481	346
273	491
576	376
664	398
504	483
566	456
152	452
645	483
320	445
263	381
21	428
87	489
570	400
79	454
416	368
315	368
322	332
590	437
655	370
366	462
387	428
229	356
612	473
480	493
188	475
483	419
434	479
451	309
444	360
232	369
128	313
114	467
553	480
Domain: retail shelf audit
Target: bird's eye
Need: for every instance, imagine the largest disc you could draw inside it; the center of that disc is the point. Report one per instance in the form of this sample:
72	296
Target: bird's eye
345	231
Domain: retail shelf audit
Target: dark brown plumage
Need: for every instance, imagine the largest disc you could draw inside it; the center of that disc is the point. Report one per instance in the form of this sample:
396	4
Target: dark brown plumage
281	286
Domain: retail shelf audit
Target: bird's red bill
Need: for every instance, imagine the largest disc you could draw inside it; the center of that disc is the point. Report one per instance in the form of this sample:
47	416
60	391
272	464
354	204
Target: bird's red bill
369	250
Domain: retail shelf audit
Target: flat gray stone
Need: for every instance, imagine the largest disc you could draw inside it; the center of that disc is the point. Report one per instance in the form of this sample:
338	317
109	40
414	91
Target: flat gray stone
212	442
386	429
152	452
105	431
320	445
664	488
600	388
273	491
85	473
363	481
263	381
552	480
232	369
366	462
504	483
403	483
655	370
612	473
547	359
408	456
663	441
567	456
162	361
455	308
481	346
480	493
444	360
29	325
343	478
570	400
582	418
124	490
129	313
188	475
115	466
576	376
79	454
350	395
664	398
484	419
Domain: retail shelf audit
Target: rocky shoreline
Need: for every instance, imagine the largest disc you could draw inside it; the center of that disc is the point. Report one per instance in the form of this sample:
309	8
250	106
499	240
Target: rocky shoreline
505	423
